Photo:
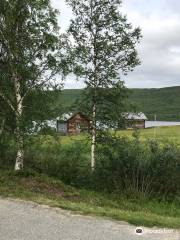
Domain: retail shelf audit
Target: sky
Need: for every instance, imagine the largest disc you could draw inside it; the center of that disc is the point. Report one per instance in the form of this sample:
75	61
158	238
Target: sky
159	49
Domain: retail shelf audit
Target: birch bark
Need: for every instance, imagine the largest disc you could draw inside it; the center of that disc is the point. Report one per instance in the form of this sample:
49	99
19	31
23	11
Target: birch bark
93	141
19	133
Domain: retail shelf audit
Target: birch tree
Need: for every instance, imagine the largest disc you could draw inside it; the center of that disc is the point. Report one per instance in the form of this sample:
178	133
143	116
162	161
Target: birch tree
31	53
104	49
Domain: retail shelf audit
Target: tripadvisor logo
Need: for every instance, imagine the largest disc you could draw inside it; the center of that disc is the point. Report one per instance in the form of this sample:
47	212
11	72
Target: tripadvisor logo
139	231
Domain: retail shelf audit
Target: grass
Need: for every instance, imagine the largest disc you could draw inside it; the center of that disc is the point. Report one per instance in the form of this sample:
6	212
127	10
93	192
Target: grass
45	190
163	134
45	140
171	133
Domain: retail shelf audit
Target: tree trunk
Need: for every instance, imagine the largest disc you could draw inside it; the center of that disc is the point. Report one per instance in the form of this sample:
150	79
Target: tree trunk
19	133
93	141
20	150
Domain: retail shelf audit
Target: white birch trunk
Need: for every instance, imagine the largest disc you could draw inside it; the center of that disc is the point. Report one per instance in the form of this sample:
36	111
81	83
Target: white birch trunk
20	151
93	141
19	135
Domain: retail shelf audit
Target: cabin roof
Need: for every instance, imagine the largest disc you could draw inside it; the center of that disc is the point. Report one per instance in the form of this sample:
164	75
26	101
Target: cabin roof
135	116
67	116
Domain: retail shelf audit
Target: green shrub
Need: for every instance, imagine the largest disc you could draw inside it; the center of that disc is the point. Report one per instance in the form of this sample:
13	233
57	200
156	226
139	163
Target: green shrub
70	162
7	151
139	169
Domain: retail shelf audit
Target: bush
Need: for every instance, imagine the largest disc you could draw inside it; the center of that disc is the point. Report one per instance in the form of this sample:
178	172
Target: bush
7	151
138	168
68	162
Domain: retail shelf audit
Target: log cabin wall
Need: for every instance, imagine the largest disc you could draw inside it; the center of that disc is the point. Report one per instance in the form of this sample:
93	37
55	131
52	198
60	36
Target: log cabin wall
77	124
140	124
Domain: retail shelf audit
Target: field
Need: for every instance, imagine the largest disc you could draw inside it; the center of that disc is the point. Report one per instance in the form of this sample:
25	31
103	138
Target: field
163	134
160	133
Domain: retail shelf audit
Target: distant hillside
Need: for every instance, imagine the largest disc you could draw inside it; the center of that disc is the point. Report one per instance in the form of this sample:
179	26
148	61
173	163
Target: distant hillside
70	96
164	102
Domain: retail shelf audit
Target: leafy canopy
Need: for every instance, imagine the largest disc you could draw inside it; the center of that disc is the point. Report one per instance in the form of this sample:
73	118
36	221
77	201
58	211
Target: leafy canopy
104	41
31	48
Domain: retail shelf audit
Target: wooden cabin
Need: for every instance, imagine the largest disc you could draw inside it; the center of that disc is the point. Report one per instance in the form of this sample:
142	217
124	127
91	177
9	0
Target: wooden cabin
73	124
135	120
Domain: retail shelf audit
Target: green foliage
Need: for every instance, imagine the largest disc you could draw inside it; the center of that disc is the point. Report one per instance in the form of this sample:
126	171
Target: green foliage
7	151
67	162
104	41
29	38
142	169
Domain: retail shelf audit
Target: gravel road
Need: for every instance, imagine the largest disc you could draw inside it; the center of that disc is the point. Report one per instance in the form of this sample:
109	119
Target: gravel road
21	220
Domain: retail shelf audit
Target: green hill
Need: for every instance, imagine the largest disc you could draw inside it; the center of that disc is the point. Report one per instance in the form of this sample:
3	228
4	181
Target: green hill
164	102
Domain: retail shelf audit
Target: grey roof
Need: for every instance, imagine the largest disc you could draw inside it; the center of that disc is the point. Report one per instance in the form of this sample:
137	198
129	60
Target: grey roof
135	116
64	117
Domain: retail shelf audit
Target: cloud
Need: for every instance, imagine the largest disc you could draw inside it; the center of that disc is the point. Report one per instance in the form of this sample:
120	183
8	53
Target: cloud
72	83
159	50
173	6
